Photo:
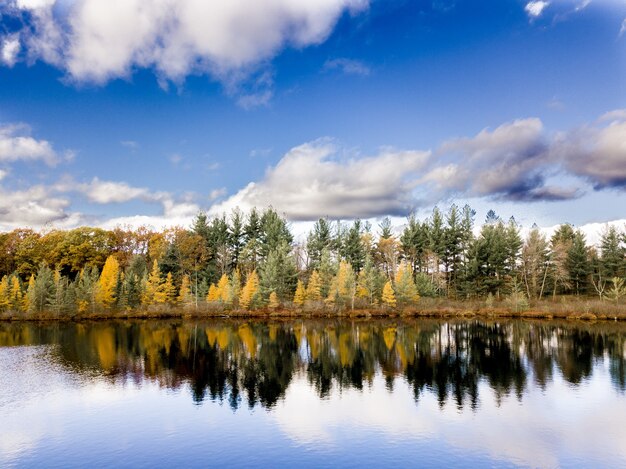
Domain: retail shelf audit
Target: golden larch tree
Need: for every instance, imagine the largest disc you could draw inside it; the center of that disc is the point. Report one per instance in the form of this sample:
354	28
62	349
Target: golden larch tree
273	302
389	297
300	295
185	295
105	293
4	293
314	288
214	294
152	285
250	293
223	286
15	295
166	292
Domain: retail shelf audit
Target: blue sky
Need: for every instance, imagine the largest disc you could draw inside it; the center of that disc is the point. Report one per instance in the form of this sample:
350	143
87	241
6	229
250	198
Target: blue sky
147	111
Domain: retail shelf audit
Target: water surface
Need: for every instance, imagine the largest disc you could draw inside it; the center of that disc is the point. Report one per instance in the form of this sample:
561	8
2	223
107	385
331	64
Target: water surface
313	394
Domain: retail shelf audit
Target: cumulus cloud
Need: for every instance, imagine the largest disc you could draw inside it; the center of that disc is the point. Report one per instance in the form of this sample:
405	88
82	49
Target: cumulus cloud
508	162
596	153
535	8
347	66
17	145
95	41
312	180
34	207
9	50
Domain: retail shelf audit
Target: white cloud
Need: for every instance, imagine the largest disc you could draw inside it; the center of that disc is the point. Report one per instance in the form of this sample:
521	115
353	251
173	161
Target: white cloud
17	145
535	8
347	66
597	154
95	41
34	207
9	50
312	181
106	192
613	116
622	29
508	162
3	174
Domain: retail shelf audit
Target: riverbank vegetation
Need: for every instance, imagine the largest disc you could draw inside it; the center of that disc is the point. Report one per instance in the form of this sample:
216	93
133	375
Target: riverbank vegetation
251	264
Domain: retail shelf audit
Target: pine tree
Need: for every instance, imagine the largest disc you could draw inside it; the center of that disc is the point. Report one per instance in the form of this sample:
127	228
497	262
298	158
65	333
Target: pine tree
405	289
578	263
235	287
300	295
327	271
389	297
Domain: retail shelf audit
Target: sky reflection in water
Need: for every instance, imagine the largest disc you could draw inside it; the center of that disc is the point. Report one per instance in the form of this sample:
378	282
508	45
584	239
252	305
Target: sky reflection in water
313	393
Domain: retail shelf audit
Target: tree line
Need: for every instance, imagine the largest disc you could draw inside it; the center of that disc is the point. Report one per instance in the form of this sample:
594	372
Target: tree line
250	261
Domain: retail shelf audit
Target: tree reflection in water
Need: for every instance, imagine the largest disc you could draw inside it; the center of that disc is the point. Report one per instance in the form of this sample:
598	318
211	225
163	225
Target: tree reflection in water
254	362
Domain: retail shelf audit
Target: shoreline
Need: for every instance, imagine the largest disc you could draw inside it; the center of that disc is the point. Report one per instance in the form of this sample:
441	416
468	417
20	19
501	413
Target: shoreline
268	314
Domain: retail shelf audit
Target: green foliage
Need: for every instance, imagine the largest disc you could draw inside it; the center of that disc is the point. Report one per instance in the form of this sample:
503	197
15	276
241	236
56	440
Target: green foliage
58	271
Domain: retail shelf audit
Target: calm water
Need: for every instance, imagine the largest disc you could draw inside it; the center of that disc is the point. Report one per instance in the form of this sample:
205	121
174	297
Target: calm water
313	394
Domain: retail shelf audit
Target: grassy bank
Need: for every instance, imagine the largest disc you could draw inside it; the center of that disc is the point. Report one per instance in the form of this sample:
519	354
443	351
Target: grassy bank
571	308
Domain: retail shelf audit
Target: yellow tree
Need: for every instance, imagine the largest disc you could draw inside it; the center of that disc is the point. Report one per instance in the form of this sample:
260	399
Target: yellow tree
15	295
152	285
250	293
314	288
343	287
300	295
214	294
185	296
105	293
273	301
389	297
223	287
4	293
166	292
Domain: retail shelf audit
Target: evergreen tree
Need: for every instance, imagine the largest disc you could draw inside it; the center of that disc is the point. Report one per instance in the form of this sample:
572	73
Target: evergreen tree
612	254
405	289
278	272
578	263
319	239
352	250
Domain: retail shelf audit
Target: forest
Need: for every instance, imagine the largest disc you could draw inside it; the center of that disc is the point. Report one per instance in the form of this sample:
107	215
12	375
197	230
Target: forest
252	262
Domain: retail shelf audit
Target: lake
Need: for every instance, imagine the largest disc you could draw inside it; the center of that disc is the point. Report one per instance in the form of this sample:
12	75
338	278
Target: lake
313	393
